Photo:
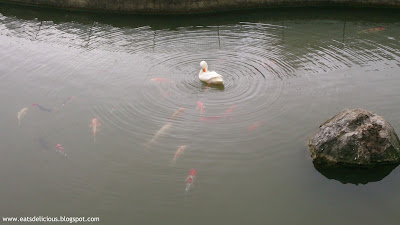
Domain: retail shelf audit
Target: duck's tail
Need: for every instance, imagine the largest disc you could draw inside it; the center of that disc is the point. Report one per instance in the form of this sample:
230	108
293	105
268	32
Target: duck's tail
216	80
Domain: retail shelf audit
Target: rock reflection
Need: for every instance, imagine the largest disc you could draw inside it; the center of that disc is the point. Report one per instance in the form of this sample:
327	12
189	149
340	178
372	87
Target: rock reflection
346	175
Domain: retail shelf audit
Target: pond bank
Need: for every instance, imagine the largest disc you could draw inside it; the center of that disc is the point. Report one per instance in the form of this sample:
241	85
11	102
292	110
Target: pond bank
194	6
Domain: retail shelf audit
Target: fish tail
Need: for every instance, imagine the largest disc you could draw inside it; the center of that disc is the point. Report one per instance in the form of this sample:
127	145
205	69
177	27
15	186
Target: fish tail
187	187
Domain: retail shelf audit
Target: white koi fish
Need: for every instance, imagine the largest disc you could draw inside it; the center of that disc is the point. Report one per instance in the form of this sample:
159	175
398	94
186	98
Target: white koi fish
94	124
21	114
177	113
160	132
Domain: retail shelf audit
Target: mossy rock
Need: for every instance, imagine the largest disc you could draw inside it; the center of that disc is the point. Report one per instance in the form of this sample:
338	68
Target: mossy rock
355	138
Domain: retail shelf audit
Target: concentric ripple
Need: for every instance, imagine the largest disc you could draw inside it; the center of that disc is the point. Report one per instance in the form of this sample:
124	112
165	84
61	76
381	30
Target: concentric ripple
142	74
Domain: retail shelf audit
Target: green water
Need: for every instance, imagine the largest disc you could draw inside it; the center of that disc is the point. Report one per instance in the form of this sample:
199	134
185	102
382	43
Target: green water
285	72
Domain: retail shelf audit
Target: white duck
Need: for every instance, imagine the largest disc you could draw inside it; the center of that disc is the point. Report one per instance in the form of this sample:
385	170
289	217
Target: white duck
210	77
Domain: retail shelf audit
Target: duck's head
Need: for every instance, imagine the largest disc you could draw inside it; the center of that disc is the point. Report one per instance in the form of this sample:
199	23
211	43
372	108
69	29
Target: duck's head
203	66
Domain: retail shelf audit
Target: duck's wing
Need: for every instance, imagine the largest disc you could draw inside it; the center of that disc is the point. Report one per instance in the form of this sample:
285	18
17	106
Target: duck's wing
211	75
215	74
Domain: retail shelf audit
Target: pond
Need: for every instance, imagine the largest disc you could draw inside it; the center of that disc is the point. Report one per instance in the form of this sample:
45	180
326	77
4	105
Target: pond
285	72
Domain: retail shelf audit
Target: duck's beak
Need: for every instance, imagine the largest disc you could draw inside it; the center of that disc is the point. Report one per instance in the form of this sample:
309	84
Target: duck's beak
204	70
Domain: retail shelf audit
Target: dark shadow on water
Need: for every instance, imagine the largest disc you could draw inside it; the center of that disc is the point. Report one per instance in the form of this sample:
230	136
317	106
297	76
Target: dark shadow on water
356	176
207	87
43	144
157	22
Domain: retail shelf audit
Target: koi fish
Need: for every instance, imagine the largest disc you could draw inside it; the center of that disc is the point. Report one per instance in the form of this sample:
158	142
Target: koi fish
190	179
161	80
41	107
210	118
200	107
375	29
160	132
60	149
229	110
94	124
21	114
64	102
255	125
177	113
179	151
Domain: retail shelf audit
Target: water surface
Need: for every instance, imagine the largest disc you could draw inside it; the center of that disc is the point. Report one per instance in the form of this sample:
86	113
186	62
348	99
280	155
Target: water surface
286	71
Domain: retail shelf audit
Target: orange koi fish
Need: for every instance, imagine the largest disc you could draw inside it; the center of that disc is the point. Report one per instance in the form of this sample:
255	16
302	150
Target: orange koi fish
94	124
229	111
255	125
176	113
200	107
374	29
179	151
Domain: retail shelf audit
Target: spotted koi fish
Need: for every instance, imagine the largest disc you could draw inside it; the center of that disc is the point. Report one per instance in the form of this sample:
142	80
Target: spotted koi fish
60	149
190	179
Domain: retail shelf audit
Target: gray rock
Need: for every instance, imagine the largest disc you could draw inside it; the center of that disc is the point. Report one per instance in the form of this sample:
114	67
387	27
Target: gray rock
355	138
